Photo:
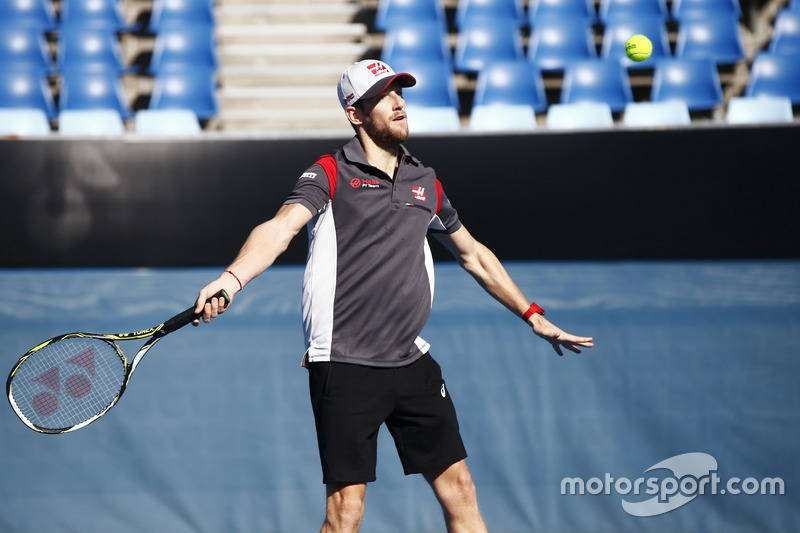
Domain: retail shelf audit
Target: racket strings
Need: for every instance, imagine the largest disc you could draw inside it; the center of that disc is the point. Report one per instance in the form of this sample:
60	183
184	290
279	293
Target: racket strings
68	382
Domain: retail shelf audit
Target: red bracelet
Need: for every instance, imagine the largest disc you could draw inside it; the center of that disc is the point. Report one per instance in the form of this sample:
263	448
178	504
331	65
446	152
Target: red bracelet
534	308
236	278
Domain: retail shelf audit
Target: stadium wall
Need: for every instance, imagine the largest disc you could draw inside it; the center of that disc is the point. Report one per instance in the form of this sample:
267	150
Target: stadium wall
695	193
693	379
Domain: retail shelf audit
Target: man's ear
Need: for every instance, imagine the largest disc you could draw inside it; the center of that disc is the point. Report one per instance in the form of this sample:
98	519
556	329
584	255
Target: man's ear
354	115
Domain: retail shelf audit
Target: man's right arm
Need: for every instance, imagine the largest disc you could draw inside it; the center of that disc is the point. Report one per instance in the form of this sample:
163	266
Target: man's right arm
263	246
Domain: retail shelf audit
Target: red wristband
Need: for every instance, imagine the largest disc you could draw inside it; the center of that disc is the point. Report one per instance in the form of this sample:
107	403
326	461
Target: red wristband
534	308
236	278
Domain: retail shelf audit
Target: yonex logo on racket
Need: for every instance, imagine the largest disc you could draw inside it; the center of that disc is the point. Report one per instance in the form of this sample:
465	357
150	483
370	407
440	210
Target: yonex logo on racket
137	334
76	385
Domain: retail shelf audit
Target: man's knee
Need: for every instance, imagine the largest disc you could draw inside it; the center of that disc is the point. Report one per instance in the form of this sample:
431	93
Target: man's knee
462	487
348	507
345	508
454	485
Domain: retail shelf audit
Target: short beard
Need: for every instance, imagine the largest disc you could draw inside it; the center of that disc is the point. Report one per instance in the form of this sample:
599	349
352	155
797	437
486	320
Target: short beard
386	135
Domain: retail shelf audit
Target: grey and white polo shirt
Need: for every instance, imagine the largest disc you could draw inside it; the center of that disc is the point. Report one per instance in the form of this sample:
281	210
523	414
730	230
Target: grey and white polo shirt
368	284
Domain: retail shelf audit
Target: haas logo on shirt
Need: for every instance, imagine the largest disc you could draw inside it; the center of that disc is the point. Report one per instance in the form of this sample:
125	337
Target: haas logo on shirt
365	183
419	193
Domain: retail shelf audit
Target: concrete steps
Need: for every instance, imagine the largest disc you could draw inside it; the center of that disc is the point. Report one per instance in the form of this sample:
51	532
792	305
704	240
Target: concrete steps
304	13
280	63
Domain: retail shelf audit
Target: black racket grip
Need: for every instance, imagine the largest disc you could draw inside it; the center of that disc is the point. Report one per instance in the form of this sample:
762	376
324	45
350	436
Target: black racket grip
186	317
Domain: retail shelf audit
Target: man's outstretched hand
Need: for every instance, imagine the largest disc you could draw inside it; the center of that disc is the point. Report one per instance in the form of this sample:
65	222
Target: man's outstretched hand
558	337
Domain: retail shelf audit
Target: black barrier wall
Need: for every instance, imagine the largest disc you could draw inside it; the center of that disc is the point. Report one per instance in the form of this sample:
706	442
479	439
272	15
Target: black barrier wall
700	192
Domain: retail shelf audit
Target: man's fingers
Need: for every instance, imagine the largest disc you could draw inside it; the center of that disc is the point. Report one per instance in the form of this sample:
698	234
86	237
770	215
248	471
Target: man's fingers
212	310
570	342
201	302
210	307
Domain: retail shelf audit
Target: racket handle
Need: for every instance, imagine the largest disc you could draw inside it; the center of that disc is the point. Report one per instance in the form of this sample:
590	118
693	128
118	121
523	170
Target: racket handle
185	318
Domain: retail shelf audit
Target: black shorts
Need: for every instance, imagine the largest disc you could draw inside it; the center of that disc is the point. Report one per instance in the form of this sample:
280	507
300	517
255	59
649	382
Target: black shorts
351	402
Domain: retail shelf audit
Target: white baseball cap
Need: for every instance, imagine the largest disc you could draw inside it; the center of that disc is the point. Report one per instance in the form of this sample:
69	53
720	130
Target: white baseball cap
367	79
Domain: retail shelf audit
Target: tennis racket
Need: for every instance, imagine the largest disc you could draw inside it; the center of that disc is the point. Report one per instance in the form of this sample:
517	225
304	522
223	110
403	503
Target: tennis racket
69	381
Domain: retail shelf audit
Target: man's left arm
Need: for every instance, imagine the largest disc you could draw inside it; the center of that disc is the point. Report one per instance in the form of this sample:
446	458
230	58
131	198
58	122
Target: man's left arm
487	270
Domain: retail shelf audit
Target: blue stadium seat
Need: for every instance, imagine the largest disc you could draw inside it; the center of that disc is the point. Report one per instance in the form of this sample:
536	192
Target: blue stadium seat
511	83
555	9
29	14
615	9
106	14
759	110
181	13
432	104
597	81
90	48
194	89
24	48
694	81
429	119
27	89
423	40
90	122
483	41
618	31
180	47
512	10
650	114
23	122
502	117
786	34
579	116
689	9
166	122
775	75
717	38
391	12
93	90
435	86
556	42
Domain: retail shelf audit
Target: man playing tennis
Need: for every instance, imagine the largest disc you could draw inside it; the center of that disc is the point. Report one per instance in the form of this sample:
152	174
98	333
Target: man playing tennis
367	293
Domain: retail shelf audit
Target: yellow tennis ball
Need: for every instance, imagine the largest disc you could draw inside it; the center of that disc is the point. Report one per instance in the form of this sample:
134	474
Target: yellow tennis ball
638	48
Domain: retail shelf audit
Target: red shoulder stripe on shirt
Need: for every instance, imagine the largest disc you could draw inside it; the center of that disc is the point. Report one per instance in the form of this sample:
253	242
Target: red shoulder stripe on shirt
438	196
328	164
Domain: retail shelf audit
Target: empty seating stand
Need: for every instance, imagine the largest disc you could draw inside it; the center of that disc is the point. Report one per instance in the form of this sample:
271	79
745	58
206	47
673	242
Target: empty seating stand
280	62
268	57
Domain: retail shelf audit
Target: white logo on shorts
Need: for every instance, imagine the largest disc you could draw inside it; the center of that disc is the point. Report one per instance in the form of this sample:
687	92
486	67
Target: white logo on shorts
444	393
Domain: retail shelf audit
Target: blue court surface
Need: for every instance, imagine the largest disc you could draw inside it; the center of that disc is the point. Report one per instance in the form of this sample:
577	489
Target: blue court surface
683	418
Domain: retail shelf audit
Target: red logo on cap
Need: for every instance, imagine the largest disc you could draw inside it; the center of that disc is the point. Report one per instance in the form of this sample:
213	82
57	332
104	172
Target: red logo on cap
378	68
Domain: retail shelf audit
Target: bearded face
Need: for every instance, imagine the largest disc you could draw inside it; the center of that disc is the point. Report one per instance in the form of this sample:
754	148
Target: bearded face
384	117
